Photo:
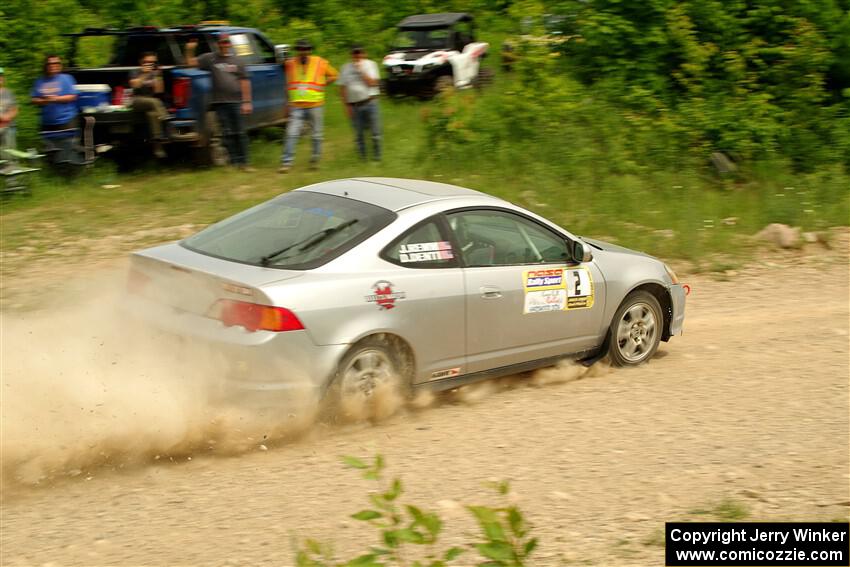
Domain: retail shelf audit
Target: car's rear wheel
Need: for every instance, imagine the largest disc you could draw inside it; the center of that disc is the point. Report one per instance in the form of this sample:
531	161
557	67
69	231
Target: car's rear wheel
635	330
374	370
367	370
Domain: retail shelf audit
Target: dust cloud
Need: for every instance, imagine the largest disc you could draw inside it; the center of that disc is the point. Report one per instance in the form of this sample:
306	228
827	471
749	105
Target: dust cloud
85	389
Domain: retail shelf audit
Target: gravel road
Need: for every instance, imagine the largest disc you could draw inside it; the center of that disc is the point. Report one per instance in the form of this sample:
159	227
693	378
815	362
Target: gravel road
748	411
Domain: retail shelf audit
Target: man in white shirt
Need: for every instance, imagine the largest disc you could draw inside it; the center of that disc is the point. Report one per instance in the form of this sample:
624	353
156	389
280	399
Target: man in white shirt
359	81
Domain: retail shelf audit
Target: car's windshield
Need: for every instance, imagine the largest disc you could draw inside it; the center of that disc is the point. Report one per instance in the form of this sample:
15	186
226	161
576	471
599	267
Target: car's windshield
297	231
422	39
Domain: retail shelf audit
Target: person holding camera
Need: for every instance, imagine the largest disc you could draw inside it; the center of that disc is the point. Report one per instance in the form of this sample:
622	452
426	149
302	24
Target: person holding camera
147	87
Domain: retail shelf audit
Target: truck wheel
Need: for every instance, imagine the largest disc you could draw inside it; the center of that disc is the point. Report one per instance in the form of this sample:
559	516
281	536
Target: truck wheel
128	157
391	88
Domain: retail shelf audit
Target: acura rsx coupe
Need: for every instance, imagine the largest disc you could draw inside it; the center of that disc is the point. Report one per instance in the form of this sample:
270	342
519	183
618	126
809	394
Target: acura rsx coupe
346	285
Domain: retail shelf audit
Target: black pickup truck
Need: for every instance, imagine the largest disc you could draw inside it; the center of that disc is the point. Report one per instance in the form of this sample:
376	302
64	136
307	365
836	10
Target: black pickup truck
191	126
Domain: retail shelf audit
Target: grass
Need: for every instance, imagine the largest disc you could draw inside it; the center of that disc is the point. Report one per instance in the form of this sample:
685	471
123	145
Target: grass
726	510
686	213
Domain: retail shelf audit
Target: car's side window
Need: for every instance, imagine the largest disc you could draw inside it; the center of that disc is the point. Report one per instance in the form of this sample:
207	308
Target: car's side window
423	246
502	238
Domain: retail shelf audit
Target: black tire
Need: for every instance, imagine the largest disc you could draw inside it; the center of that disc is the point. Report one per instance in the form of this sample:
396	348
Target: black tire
635	330
128	156
392	89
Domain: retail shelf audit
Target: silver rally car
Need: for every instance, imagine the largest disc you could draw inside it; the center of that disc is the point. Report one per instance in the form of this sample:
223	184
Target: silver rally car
351	283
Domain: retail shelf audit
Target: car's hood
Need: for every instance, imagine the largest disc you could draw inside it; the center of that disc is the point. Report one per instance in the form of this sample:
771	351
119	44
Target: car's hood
608	247
418	56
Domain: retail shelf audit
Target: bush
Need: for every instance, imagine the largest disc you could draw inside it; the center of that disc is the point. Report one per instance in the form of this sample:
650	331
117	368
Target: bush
505	540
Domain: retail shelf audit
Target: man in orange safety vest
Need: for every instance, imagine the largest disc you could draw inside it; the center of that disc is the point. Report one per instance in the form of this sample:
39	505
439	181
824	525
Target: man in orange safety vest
307	76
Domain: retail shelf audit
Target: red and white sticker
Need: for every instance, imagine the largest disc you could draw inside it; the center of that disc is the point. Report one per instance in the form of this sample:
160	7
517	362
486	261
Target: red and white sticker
384	295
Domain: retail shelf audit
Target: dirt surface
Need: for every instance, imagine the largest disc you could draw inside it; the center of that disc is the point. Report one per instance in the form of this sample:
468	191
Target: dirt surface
748	412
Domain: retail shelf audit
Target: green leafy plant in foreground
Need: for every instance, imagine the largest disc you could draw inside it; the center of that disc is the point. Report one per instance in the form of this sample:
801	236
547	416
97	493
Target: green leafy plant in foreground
505	540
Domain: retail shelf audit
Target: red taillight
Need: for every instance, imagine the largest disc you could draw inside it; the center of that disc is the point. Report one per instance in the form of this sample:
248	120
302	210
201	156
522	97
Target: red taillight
181	91
255	317
136	281
118	95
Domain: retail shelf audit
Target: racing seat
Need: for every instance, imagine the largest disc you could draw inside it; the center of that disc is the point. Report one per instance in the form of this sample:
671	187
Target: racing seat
476	251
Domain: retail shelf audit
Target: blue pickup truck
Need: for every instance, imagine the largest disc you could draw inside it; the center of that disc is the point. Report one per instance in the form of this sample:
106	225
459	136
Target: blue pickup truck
192	127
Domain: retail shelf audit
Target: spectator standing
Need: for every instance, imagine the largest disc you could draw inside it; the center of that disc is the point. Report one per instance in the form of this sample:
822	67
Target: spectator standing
147	87
359	81
231	94
306	78
56	94
8	112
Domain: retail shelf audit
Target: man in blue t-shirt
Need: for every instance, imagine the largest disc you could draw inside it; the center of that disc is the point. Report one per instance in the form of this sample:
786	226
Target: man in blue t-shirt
56	94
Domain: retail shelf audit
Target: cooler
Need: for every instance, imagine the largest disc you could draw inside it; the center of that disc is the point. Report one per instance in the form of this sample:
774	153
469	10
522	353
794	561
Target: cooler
92	96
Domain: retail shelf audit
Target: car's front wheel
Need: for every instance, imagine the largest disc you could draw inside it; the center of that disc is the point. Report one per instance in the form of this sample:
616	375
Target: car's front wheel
635	330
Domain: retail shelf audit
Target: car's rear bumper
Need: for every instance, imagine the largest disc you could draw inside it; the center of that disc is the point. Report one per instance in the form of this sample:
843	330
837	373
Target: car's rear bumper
677	303
258	365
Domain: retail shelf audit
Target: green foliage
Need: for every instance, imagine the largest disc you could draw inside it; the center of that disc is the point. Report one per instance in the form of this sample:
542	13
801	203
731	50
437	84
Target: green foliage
507	541
688	78
752	80
505	538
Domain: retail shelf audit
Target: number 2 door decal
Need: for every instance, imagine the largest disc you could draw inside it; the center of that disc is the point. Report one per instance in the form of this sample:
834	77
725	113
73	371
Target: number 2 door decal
579	289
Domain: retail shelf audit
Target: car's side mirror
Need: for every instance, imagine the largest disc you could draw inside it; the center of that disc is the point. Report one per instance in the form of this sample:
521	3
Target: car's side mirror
281	52
581	251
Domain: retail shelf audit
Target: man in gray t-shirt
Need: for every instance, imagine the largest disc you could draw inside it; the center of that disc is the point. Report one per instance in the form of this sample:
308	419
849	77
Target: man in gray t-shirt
360	86
231	94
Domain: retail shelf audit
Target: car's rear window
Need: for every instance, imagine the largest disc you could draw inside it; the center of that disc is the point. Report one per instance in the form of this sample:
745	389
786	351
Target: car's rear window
297	231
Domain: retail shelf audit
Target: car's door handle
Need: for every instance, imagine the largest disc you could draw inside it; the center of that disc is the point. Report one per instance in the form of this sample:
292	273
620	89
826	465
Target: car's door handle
490	292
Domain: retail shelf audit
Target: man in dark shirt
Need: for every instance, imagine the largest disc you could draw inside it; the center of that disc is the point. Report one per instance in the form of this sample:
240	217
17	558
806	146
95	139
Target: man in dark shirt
231	94
147	87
